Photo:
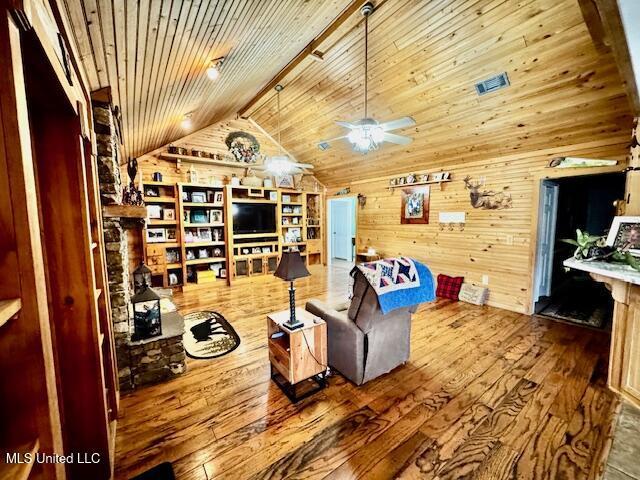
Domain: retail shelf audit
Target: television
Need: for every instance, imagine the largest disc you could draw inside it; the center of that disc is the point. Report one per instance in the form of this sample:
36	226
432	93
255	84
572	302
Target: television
254	218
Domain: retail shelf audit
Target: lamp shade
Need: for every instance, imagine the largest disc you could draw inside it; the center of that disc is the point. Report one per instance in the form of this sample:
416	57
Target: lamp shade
291	267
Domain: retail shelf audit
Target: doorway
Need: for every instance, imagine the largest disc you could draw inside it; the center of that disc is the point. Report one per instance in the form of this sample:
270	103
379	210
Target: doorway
342	223
566	204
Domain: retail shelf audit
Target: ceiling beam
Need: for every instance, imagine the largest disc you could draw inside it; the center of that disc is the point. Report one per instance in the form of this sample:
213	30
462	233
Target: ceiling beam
612	22
306	51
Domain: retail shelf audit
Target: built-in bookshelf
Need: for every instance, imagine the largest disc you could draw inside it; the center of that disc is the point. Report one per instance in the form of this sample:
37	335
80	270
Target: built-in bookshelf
204	247
293	229
253	253
314	227
162	236
196	245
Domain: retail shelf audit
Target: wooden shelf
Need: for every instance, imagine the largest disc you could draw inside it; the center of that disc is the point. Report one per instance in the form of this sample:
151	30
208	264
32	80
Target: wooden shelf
201	185
428	182
153	183
124	211
20	471
211	161
292	225
200	261
172	266
198	225
253	200
297	204
292	214
249	256
203	244
8	309
294	244
201	204
161	222
159	200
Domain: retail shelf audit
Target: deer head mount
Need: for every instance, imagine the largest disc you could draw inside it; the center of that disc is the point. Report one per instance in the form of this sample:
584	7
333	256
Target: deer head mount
486	199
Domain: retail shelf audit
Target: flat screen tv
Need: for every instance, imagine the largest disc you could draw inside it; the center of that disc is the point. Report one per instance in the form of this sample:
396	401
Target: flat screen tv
254	218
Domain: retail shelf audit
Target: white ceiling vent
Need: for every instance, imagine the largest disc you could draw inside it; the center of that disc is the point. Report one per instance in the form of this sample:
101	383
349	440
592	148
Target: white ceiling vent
491	84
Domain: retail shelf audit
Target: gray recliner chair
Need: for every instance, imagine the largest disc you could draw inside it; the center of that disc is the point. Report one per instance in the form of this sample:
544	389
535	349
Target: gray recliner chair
364	343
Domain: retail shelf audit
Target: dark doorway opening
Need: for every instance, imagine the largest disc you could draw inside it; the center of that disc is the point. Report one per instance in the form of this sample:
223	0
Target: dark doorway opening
567	204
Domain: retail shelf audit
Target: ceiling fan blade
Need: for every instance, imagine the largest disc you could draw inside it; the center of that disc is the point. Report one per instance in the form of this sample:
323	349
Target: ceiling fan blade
399	139
399	123
346	124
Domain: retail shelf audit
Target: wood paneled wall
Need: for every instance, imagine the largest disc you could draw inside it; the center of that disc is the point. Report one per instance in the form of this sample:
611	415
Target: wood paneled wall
497	243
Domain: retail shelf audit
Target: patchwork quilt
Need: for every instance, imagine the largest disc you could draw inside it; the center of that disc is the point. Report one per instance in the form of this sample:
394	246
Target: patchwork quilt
391	274
398	282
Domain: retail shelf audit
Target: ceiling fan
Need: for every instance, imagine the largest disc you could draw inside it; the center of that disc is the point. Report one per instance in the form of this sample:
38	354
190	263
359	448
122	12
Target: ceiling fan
367	134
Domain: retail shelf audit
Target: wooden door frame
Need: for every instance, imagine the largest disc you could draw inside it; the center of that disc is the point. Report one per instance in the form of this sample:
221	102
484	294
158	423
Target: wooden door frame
328	226
552	174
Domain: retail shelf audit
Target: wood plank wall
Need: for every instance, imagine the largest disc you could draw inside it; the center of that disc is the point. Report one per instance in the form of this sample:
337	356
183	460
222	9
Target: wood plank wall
496	243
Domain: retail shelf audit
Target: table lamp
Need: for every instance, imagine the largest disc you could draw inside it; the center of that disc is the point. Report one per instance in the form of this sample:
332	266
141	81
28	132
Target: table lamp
291	267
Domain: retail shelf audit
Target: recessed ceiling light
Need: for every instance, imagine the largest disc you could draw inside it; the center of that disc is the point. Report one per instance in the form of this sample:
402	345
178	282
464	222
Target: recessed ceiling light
213	72
186	122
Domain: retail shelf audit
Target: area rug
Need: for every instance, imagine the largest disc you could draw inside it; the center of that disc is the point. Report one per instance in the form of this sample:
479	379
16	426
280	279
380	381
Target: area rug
208	335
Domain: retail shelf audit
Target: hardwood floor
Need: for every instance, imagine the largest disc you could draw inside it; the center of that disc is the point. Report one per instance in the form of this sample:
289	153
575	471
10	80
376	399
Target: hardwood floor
487	394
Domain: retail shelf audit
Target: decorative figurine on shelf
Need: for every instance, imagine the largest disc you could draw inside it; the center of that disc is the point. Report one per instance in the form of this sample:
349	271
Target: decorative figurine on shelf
193	175
131	195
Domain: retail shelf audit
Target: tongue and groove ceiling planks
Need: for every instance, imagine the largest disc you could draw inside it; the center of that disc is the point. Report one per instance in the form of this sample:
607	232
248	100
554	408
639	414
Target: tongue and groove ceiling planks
424	59
154	55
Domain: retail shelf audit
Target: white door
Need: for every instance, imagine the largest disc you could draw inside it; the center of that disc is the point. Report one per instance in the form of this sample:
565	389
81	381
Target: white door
547	217
341	229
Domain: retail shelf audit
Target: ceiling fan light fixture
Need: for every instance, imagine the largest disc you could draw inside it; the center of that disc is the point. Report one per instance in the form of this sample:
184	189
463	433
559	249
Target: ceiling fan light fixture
280	165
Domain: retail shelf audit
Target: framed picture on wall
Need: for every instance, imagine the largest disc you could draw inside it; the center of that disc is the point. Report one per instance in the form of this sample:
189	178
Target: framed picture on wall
415	205
168	214
625	234
156	235
218	198
284	181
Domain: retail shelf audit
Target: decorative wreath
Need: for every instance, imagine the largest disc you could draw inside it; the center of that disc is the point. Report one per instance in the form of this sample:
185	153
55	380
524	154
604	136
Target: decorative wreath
243	146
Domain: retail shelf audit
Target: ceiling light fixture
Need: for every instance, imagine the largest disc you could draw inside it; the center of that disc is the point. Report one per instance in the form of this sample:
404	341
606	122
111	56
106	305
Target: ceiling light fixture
367	134
186	122
280	164
213	72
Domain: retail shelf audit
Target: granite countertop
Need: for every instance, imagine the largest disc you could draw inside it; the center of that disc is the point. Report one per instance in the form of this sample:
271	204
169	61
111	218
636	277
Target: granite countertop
612	270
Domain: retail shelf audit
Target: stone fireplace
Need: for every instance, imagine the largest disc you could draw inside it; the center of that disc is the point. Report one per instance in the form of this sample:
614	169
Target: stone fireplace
147	361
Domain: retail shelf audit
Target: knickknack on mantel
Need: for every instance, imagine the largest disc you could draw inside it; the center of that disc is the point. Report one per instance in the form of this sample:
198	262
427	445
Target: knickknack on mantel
414	179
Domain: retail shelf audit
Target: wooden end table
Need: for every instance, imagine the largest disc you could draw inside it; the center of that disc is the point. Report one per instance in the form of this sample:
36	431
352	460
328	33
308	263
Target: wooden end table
298	355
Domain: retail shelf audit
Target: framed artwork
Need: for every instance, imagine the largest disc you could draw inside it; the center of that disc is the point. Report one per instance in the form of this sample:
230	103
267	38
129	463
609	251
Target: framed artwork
154	212
171	234
284	181
168	214
204	235
218	198
215	216
199	197
415	205
625	234
273	196
156	235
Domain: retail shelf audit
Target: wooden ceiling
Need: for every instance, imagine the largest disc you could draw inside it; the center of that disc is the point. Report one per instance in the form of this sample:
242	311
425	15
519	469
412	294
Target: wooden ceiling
424	58
154	55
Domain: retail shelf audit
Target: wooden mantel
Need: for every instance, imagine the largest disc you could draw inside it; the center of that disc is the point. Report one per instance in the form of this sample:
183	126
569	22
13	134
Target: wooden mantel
124	211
